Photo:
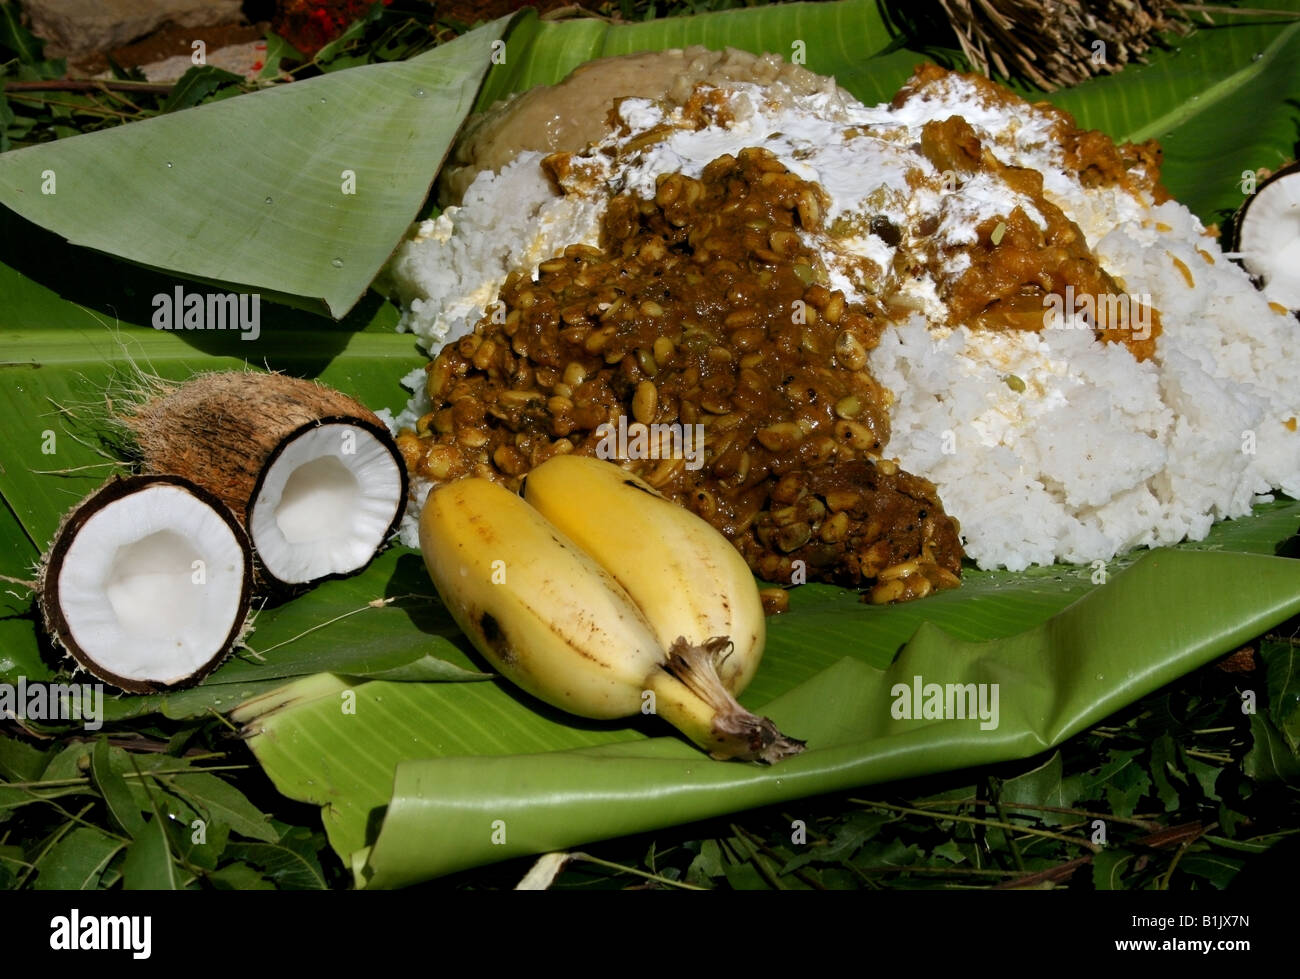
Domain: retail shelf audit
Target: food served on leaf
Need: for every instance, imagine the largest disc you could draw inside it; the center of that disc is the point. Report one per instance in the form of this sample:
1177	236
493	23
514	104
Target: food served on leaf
313	474
147	583
883	320
606	600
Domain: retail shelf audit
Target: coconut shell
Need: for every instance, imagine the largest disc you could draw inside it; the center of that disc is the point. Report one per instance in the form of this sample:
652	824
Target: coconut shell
219	430
47	590
223	430
1238	220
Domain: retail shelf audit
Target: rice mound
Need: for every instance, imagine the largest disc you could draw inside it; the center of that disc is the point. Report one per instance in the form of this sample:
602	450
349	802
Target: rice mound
1046	446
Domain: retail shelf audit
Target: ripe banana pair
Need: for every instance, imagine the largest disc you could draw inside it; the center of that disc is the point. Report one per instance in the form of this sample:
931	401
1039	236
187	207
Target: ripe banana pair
600	596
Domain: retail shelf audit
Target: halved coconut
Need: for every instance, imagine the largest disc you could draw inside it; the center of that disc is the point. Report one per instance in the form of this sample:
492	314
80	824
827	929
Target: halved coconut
1266	236
327	498
147	583
315	476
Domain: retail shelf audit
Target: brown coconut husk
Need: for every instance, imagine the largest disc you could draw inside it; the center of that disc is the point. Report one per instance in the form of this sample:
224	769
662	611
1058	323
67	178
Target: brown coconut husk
1050	42
52	562
222	431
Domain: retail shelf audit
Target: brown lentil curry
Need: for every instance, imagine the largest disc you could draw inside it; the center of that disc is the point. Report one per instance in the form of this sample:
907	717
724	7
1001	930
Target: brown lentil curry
703	307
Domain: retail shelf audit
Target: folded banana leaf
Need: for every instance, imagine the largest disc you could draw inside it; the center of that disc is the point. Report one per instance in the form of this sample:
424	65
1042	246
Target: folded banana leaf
414	777
461	775
298	192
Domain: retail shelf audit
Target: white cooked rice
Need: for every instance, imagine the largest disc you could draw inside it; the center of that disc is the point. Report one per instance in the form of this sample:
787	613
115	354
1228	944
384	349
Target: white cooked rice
1098	455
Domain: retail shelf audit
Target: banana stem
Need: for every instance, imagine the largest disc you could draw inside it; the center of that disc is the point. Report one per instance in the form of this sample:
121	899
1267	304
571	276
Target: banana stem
690	695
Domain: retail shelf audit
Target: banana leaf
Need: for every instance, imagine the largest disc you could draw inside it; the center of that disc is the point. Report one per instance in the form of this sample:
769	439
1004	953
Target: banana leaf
410	761
255	192
456	776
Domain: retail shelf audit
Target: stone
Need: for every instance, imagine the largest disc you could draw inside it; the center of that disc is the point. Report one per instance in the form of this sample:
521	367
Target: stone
242	59
74	27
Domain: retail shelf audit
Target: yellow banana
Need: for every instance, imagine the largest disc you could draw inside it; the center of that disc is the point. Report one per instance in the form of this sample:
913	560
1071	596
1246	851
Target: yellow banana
551	619
543	612
685	576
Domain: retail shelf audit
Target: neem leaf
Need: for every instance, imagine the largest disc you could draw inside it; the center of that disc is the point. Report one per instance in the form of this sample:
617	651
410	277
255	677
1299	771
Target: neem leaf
1092	785
744	876
239	876
1126	788
1043	786
899	854
1230	819
221	801
707	864
25	45
290	869
197	84
950	851
1108	865
1163	756
70	762
21	762
1217	868
113	788
855	830
77	861
1205	774
1282	661
12	797
198	846
277	49
264	212
149	865
11	858
1270	758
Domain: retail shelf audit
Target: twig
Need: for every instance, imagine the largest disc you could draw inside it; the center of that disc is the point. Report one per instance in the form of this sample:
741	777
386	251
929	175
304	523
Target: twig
954	871
1209	755
953	817
1087	814
88	85
766	872
1186	832
799	872
54	783
83	109
1187	844
13	718
632	870
1011	840
223	719
73	469
373	603
119	97
1059	872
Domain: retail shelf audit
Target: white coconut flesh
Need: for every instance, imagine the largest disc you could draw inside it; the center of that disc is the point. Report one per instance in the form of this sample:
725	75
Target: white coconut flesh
326	503
1269	241
151	586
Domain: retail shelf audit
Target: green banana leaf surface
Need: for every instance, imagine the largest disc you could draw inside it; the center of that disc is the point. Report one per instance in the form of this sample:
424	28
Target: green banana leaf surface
343	690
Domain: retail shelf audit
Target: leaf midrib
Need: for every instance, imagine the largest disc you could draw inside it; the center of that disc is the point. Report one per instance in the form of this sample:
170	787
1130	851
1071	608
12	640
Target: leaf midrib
1216	93
74	346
